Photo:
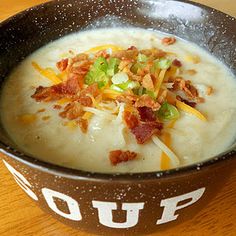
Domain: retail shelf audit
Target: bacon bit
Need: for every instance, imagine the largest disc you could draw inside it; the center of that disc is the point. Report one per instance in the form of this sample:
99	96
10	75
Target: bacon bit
80	57
125	54
127	98
102	53
83	124
190	90
130	119
200	100
168	41
209	90
80	67
191	72
147	82
155	53
147	101
132	48
124	63
72	111
186	86
177	63
57	107
70	87
62	65
86	100
118	156
55	92
41	110
191	104
146	114
46	118
144	131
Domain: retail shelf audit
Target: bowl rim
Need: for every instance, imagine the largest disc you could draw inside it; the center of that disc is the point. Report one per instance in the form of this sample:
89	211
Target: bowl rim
76	174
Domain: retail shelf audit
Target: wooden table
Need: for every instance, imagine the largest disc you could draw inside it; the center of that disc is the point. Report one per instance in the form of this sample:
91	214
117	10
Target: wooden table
20	216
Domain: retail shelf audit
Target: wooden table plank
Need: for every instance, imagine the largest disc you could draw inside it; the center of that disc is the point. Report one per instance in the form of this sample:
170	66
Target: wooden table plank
20	216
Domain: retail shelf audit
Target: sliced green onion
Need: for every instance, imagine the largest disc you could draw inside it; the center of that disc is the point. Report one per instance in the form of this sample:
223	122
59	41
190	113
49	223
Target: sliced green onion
101	64
142	58
96	76
163	63
151	94
97	73
168	112
129	85
113	66
120	78
116	88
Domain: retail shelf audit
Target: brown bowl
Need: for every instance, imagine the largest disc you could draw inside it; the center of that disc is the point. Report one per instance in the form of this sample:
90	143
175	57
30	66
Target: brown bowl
119	204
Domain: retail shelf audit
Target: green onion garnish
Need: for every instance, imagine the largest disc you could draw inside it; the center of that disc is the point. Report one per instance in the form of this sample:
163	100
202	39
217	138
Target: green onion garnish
168	112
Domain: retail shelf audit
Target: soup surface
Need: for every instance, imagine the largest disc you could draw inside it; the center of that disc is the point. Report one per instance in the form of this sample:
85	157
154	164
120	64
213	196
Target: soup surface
189	129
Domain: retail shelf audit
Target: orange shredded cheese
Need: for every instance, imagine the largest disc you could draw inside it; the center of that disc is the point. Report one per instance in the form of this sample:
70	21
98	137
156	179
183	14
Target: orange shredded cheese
184	107
165	160
46	118
104	47
109	93
160	81
87	115
48	73
27	118
193	59
63	101
71	124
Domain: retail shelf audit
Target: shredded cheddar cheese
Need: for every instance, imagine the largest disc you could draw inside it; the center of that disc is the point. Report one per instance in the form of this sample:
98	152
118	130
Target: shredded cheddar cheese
160	81
109	93
63	101
48	73
184	107
193	59
165	159
27	118
104	47
87	115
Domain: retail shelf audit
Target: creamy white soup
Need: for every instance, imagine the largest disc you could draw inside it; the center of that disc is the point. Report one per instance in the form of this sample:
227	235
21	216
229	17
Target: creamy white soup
190	94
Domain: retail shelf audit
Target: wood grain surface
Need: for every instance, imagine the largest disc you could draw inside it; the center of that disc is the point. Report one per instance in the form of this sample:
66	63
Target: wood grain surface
20	216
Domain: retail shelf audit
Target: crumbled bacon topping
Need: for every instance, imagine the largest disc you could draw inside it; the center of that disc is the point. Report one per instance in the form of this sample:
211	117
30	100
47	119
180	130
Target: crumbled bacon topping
147	101
144	131
130	119
168	41
85	96
118	156
56	92
72	111
57	107
177	63
186	86
62	65
146	114
83	124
